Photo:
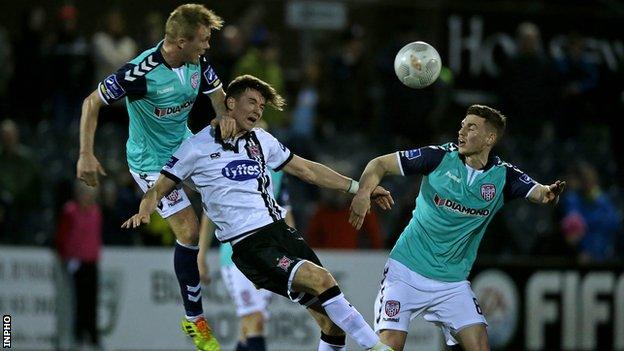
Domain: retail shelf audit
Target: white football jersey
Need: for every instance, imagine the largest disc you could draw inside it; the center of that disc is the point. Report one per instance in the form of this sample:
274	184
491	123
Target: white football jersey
233	179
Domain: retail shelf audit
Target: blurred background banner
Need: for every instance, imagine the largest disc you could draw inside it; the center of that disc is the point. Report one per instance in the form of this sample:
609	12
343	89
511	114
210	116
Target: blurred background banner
548	305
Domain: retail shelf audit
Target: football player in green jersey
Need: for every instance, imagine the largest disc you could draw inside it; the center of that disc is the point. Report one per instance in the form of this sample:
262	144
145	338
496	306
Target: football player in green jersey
160	87
463	186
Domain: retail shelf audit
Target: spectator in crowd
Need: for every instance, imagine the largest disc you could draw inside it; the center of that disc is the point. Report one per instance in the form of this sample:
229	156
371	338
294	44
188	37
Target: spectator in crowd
119	197
112	47
305	109
28	51
262	60
20	188
578	77
347	74
329	225
527	83
70	69
78	243
591	222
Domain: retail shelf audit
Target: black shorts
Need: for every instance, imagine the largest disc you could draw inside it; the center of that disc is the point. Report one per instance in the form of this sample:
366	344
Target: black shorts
268	257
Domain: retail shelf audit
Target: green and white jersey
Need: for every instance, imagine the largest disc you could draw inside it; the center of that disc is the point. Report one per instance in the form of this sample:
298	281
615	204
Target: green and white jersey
159	99
453	208
282	196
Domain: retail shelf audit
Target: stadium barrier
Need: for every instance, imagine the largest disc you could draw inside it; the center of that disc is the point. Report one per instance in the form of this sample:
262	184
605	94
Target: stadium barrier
530	305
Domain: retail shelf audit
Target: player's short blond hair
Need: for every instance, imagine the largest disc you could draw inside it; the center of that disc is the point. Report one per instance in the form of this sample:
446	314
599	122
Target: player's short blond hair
184	21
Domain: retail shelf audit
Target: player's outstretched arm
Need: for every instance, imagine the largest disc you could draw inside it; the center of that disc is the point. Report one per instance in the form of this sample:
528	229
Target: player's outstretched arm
317	174
325	177
375	170
88	168
547	194
162	187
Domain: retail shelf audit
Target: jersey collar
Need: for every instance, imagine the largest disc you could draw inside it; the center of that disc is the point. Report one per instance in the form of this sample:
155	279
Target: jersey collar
158	56
492	160
229	144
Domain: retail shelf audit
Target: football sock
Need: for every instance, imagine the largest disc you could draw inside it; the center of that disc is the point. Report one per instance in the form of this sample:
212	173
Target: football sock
185	265
256	343
341	312
332	342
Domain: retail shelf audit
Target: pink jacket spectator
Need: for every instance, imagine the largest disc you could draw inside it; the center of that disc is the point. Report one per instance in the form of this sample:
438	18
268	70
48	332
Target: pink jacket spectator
79	234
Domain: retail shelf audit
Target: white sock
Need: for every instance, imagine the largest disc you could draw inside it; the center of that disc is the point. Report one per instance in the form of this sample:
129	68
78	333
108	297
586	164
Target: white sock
341	312
323	346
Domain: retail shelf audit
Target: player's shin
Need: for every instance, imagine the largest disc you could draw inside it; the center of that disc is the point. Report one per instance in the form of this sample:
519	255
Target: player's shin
344	315
185	265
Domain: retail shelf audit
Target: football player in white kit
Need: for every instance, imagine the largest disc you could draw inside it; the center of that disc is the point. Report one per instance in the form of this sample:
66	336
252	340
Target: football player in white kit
233	180
251	303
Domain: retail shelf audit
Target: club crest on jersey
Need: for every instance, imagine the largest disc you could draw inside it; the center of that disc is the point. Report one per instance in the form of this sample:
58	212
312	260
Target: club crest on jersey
393	307
254	150
195	80
284	263
488	191
241	170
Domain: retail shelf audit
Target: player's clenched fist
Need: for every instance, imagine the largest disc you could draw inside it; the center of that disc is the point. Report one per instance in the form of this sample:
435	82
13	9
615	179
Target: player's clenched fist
89	169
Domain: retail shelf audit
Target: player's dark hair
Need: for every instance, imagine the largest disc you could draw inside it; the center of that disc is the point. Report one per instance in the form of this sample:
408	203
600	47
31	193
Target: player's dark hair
185	19
241	83
492	116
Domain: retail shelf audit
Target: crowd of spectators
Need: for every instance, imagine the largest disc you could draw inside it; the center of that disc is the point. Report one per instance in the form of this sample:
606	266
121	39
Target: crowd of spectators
344	102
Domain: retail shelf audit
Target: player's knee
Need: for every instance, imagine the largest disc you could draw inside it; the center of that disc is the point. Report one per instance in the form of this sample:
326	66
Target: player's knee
253	323
323	280
394	339
185	227
314	279
477	340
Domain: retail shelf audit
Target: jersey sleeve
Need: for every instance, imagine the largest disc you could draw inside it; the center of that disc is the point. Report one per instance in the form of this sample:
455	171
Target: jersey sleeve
210	81
125	82
277	155
181	165
420	161
517	183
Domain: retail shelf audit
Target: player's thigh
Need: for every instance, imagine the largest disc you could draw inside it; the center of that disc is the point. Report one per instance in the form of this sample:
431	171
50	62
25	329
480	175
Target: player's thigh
247	298
265	259
185	225
473	338
393	338
398	301
454	309
176	201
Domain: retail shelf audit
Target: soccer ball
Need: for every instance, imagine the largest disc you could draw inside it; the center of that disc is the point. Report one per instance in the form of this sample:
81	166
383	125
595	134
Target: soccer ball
417	64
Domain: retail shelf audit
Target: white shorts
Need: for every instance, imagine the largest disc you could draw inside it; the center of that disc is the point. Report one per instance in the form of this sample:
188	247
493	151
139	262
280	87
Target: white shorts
246	297
172	203
405	294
